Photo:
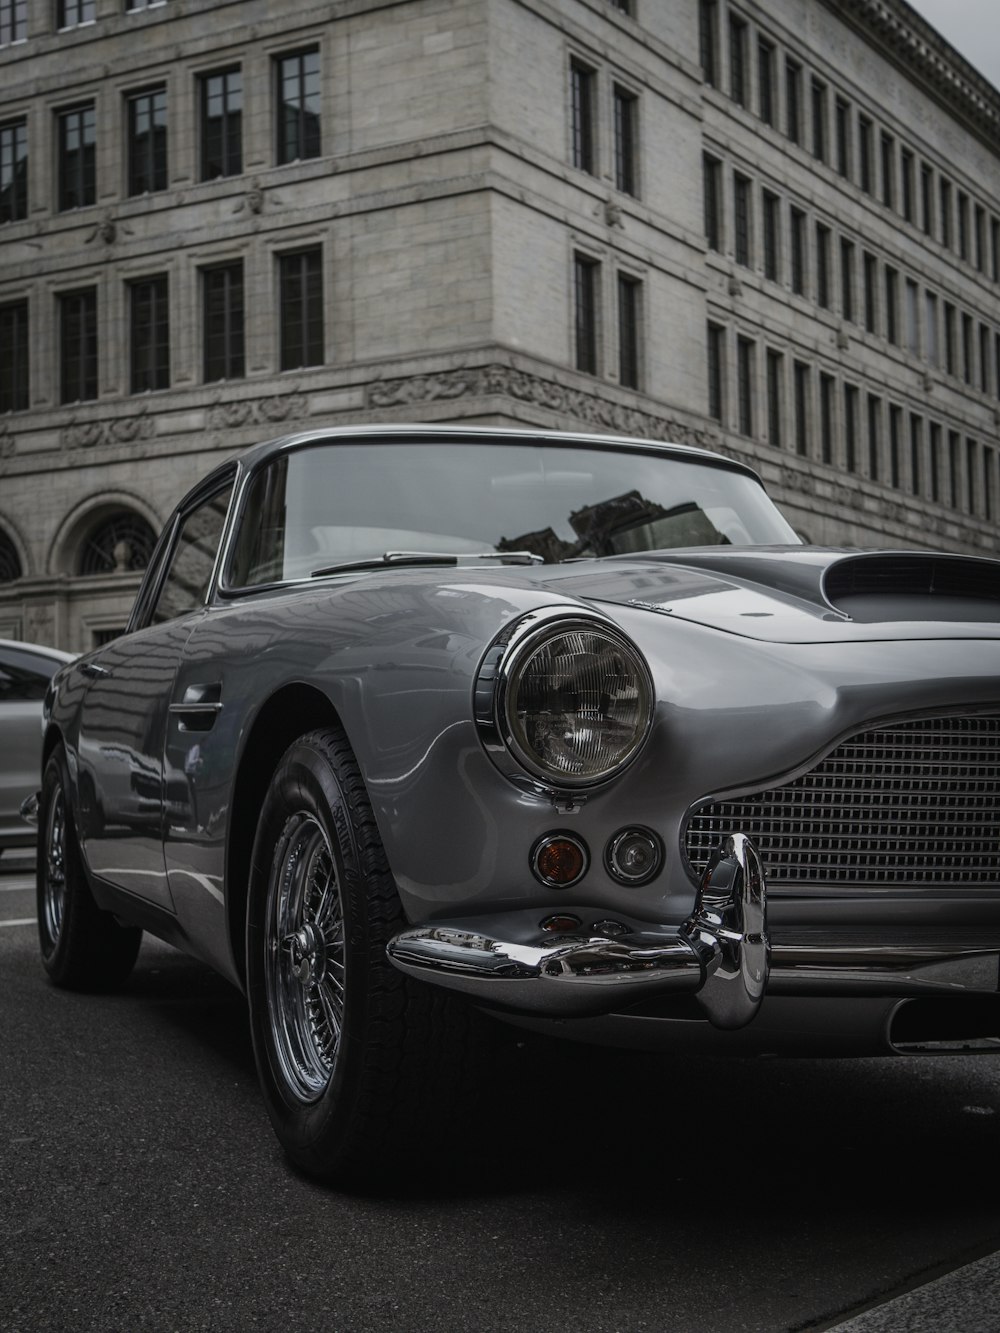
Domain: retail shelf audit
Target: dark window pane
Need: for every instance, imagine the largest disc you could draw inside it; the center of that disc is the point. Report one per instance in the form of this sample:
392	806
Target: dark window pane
223	322
77	140
78	345
716	365
150	334
13	21
14	171
582	88
708	15
71	13
300	279
585	276
222	124
628	331
299	105
626	141
14	344
147	141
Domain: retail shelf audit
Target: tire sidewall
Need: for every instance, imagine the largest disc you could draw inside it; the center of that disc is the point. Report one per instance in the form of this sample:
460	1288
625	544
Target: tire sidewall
55	778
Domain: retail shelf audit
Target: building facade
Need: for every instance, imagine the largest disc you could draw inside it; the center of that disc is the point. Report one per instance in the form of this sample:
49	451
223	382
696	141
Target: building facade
770	229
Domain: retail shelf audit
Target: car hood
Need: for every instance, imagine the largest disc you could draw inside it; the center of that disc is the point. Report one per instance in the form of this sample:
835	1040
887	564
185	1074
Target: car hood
800	594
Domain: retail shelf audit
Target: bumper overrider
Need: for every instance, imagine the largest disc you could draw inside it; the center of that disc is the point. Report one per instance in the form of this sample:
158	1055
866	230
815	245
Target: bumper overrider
721	955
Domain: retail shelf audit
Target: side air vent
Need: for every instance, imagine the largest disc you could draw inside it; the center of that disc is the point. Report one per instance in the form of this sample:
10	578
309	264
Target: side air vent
914	586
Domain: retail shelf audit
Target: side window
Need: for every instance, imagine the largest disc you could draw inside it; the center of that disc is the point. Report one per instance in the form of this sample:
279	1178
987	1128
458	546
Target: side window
186	583
24	677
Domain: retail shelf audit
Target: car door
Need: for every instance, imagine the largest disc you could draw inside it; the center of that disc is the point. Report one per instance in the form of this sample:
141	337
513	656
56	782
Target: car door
127	710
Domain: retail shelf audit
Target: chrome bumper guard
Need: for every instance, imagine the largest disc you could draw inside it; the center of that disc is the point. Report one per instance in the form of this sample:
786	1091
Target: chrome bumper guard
720	954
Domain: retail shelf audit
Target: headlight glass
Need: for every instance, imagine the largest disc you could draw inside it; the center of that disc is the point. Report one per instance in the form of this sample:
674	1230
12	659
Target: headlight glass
578	704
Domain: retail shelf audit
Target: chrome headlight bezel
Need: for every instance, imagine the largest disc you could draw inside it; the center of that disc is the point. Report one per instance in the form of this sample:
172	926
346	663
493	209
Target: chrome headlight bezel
497	681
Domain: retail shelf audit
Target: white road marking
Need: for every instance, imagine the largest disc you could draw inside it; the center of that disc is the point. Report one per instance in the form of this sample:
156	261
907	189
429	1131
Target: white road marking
21	921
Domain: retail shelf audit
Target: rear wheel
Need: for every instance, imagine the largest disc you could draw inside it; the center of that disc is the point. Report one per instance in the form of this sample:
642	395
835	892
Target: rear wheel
356	1061
83	948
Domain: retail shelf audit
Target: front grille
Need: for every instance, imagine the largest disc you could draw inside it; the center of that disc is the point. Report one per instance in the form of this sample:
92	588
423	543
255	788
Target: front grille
915	803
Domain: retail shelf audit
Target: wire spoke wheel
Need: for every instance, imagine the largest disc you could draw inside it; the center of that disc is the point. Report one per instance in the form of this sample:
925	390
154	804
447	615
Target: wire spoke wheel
305	963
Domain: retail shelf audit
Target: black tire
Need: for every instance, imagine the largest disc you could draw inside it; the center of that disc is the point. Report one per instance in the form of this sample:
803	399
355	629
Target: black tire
347	1105
83	948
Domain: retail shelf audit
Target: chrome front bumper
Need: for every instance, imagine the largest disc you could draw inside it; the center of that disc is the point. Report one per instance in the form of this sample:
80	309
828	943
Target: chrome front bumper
720	955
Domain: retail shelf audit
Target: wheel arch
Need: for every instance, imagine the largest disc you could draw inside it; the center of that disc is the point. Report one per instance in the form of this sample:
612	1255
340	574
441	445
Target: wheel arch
288	714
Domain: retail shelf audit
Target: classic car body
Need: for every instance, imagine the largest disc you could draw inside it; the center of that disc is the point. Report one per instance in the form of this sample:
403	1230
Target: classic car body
571	729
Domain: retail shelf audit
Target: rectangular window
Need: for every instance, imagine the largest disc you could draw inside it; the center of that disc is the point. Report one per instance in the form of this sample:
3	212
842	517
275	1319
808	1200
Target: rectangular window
950	346
850	427
971	450
223	322
300	300
926	199
741	210
78	346
935	461
996	362
626	115
847	280
871	283
984	358
895	444
765	80
708	32
912	317
826	388
716	371
962	202
77	161
586	274
222	124
989	472
149	328
819	120
299	98
775	397
874	437
737	60
798	251
954	461
842	118
793	100
147	141
71	13
712	169
822	266
944	194
583	92
888	144
906	170
980	238
14	344
772	224
802	375
916	453
13	21
891	305
744	379
14	171
931	334
865	134
995	248
968	350
629	317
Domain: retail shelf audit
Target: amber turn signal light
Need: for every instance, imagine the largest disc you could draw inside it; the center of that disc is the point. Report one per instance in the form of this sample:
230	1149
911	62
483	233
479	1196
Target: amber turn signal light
559	860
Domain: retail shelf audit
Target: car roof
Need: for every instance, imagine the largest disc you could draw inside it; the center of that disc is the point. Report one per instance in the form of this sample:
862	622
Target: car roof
403	432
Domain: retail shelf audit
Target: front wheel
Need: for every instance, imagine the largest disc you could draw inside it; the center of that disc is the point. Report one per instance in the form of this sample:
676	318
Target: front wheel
356	1061
83	948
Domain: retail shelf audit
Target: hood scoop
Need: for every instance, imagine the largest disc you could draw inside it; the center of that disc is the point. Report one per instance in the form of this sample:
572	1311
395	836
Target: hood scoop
910	585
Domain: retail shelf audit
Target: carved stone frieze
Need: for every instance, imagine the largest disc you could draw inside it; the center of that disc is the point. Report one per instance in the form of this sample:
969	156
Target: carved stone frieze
506	382
82	434
282	407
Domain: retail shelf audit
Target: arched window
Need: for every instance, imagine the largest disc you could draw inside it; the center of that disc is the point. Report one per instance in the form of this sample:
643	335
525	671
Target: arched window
117	544
10	561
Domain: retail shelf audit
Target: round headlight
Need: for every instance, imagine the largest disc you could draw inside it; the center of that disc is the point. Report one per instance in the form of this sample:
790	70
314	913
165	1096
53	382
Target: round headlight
576	703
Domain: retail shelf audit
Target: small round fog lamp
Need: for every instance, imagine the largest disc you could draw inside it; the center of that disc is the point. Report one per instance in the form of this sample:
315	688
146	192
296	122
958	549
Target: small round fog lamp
634	856
559	860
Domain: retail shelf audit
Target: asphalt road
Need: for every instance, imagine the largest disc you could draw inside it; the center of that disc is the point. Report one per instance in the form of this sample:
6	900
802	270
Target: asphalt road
141	1188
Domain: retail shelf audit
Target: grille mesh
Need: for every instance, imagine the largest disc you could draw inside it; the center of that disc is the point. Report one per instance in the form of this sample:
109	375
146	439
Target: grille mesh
915	803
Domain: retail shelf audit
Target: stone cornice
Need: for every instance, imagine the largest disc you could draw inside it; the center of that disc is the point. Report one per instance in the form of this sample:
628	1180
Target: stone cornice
895	27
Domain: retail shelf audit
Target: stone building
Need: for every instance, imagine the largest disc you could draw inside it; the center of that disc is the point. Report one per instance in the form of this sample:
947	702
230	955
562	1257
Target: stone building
772	229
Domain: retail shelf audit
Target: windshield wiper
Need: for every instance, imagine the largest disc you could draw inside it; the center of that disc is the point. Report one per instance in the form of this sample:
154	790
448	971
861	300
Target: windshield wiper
428	558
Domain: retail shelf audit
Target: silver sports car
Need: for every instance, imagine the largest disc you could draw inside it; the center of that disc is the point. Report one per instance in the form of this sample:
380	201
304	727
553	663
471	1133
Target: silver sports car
411	723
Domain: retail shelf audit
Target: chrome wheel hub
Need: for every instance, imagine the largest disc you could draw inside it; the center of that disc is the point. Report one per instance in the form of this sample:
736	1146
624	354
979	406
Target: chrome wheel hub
304	958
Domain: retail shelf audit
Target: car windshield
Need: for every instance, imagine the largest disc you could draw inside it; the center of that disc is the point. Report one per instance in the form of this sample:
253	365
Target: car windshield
332	504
